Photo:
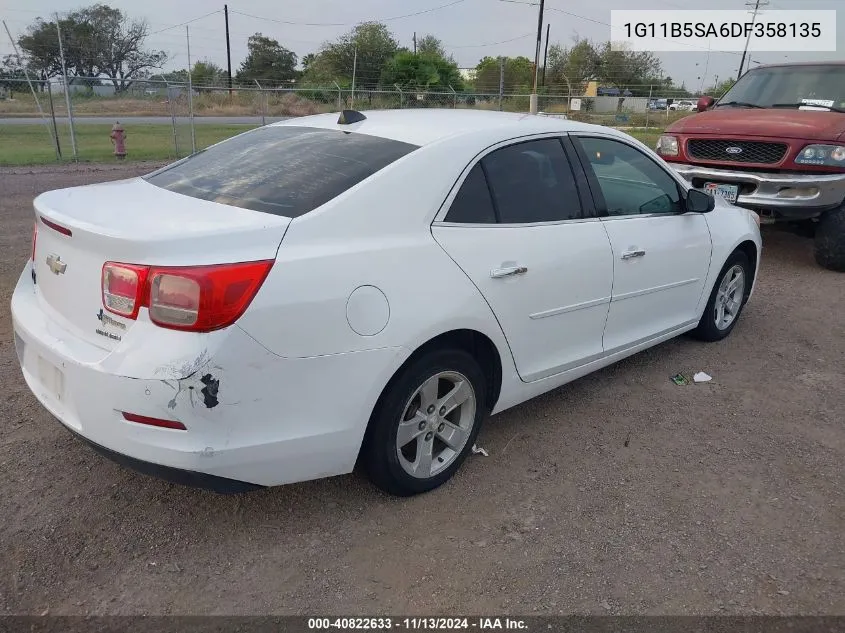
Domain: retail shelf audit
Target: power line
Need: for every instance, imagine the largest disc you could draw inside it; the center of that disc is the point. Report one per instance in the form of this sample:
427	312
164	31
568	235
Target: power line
513	39
186	23
390	19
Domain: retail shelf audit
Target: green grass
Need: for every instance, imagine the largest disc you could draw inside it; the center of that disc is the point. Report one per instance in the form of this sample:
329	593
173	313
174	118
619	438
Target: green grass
32	144
646	136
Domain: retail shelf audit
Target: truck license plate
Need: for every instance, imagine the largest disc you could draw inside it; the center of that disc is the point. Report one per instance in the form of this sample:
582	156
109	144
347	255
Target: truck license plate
728	192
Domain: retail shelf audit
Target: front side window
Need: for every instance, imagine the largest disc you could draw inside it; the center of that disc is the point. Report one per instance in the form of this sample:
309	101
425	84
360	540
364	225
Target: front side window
631	182
283	170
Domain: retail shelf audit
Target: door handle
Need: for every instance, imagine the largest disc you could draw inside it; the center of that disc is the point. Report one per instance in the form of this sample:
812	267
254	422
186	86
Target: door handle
497	273
632	254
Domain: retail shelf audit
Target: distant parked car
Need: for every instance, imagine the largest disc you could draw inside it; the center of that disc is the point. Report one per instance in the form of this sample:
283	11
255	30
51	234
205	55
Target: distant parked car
323	292
658	104
682	106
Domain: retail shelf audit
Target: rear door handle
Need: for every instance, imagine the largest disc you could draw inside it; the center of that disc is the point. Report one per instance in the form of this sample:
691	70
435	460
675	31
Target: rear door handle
497	273
632	254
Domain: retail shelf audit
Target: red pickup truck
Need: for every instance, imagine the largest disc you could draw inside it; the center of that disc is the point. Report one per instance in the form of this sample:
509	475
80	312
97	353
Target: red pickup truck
774	143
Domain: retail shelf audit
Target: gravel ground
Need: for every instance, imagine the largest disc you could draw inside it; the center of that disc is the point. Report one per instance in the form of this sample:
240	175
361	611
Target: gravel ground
618	494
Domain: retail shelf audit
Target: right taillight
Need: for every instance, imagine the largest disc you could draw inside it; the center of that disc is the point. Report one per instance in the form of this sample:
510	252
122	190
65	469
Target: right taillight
196	298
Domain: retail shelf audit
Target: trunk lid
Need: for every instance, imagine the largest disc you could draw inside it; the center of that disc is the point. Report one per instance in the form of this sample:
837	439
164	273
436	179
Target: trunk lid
133	222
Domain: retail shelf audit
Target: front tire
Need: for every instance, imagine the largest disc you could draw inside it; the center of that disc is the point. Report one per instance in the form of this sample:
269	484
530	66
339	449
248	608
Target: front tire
425	423
830	240
726	300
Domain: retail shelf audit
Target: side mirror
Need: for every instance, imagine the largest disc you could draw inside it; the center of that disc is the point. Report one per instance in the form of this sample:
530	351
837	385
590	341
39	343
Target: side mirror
699	202
705	103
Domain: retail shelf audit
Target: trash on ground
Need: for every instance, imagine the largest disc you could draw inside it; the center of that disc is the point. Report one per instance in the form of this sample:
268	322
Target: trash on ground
680	380
477	450
702	377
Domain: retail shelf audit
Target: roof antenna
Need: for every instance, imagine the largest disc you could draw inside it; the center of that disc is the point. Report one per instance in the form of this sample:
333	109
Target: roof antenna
350	116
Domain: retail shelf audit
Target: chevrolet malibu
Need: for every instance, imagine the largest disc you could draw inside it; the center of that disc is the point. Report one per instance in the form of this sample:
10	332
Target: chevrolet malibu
363	289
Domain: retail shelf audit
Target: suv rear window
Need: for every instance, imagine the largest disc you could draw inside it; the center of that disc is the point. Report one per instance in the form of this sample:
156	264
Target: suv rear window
284	170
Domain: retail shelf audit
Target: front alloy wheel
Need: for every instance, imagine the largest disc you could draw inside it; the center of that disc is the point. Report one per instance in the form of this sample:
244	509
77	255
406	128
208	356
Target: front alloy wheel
727	299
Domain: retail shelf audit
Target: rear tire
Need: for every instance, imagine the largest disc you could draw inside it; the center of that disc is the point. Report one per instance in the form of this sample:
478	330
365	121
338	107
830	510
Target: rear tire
727	299
411	445
830	240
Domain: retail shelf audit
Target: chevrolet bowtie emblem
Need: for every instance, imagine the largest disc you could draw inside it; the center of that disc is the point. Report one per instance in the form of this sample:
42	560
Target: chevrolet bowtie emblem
56	265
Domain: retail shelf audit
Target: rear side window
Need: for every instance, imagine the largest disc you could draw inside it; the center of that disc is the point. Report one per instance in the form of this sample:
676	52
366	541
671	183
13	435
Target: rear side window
473	204
284	170
524	183
532	182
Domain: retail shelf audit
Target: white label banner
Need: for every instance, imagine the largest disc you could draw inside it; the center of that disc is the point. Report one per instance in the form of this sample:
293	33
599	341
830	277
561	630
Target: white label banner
726	31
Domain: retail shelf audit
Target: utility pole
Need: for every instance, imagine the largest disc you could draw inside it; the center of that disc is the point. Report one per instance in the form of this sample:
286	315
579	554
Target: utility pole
354	71
228	48
415	42
191	93
546	54
533	100
67	90
757	4
501	80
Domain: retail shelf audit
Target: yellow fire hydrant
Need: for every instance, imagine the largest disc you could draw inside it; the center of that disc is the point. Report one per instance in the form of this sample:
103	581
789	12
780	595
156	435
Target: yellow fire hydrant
118	139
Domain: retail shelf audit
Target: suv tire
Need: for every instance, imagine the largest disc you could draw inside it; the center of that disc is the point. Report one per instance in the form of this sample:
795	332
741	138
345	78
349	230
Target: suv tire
830	240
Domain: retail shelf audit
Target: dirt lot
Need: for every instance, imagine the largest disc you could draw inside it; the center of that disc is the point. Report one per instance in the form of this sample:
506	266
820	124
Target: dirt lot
728	497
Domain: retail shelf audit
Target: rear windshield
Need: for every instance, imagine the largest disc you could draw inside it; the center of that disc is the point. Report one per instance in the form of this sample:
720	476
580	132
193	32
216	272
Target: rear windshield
284	170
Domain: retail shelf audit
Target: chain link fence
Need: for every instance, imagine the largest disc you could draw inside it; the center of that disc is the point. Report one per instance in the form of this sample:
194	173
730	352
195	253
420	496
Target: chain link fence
41	121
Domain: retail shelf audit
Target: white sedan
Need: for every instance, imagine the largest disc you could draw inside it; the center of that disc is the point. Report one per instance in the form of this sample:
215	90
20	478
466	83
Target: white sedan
365	289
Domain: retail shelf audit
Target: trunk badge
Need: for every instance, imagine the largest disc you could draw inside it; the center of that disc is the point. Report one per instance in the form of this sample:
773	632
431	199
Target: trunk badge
56	265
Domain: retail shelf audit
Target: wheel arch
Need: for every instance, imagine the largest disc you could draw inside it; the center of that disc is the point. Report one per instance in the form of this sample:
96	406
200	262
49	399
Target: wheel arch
749	248
477	344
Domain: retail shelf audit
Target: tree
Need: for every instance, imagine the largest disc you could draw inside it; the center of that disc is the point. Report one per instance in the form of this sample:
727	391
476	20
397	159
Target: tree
430	45
627	70
11	70
267	61
206	73
719	89
425	71
307	60
569	69
98	41
375	46
519	75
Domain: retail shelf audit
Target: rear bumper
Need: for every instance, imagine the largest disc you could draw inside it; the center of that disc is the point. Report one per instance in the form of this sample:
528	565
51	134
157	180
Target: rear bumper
786	196
273	420
174	475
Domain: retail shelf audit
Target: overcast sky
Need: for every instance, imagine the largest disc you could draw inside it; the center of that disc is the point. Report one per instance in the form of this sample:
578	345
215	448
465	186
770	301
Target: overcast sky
470	29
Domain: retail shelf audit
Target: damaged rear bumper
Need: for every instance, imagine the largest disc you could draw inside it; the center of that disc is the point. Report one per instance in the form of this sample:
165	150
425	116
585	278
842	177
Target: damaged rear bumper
250	416
190	478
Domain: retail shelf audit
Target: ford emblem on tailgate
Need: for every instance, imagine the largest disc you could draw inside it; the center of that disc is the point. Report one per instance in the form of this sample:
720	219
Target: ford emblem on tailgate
733	150
55	264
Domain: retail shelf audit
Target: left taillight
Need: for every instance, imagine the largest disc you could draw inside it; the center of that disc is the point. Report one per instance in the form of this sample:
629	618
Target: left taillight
195	299
124	288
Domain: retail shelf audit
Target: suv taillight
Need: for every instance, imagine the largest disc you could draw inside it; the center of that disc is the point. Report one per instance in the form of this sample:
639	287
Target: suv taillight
196	298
